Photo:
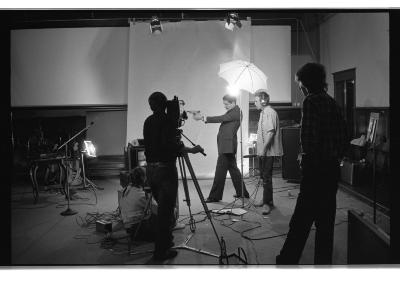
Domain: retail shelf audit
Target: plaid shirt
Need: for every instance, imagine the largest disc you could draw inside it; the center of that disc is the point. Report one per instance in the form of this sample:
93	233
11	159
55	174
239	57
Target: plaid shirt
323	129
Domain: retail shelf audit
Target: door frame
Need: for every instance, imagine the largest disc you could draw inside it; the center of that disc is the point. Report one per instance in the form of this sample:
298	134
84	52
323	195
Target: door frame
345	75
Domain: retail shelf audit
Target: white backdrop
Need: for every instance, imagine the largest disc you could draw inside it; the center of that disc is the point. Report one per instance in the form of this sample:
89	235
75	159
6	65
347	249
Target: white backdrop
271	52
69	66
84	66
184	61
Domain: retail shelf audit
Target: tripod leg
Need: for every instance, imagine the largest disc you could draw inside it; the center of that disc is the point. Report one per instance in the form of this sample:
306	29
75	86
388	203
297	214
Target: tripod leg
197	186
83	170
182	169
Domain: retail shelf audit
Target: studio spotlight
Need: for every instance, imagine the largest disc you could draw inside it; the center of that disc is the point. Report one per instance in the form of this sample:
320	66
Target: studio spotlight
90	150
233	90
155	25
232	21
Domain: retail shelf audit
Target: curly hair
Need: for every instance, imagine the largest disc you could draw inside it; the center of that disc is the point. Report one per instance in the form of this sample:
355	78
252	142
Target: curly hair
313	77
158	101
138	176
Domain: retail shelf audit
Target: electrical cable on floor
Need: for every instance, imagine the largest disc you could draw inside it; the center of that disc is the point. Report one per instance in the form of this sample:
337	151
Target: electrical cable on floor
242	233
255	251
61	205
108	242
196	221
89	222
90	219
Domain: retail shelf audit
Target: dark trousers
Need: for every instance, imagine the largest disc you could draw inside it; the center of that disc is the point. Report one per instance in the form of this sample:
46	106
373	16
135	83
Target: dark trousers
163	181
316	203
266	164
227	162
146	230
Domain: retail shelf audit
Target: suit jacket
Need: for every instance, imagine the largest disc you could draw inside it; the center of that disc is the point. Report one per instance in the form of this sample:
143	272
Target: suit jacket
227	134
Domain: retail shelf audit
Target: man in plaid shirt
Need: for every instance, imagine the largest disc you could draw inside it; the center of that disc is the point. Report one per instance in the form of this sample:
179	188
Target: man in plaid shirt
323	141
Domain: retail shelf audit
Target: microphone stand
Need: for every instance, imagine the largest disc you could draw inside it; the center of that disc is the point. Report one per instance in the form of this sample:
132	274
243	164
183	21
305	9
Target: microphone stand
69	211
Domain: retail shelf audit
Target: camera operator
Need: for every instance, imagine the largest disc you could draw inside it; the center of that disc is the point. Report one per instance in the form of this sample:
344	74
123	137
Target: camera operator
227	145
162	147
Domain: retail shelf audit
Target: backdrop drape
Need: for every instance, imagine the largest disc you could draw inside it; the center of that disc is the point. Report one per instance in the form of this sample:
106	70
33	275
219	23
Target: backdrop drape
184	61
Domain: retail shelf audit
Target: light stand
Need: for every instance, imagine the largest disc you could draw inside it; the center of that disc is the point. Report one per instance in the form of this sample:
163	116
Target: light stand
241	148
241	157
241	153
91	152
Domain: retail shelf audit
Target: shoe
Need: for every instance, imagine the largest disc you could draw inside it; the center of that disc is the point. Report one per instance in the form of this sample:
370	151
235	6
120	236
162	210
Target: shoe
211	200
178	226
169	254
236	196
266	209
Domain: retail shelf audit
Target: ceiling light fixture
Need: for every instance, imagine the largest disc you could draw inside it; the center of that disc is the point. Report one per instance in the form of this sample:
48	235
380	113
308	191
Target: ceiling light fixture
232	20
155	25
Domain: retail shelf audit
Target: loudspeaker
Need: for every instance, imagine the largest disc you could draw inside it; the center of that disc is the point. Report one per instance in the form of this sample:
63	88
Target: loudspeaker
135	156
347	172
291	149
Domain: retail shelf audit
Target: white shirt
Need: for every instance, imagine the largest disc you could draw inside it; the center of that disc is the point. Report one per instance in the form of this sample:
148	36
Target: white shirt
132	205
269	121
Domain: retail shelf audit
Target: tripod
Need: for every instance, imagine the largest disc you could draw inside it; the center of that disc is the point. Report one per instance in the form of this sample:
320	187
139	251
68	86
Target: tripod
183	160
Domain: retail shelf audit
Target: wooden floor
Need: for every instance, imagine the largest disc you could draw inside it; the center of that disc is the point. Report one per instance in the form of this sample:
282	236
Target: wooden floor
41	236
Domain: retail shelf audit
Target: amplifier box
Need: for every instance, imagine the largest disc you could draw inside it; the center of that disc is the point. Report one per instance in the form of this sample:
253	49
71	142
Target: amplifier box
348	172
103	226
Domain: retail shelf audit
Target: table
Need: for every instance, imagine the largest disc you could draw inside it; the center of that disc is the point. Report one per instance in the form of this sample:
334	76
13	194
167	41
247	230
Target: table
34	166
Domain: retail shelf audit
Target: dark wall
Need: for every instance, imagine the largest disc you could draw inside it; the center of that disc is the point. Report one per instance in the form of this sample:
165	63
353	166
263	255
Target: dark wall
288	116
36	130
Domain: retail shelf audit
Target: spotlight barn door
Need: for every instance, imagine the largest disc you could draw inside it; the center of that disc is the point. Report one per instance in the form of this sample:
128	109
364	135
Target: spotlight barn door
291	148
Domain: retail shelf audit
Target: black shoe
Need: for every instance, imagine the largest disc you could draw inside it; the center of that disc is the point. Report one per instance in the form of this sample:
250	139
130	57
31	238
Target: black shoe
169	254
236	196
211	200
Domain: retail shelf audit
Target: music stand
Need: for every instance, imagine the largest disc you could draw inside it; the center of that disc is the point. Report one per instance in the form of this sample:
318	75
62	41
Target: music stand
371	139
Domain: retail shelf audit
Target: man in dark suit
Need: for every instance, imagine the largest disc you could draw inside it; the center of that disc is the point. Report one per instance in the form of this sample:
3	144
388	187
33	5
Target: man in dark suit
227	146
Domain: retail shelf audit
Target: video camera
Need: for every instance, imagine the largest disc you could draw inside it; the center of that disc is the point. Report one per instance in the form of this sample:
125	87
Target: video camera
176	115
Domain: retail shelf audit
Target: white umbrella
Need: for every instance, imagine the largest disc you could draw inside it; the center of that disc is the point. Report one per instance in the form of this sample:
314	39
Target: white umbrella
243	75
